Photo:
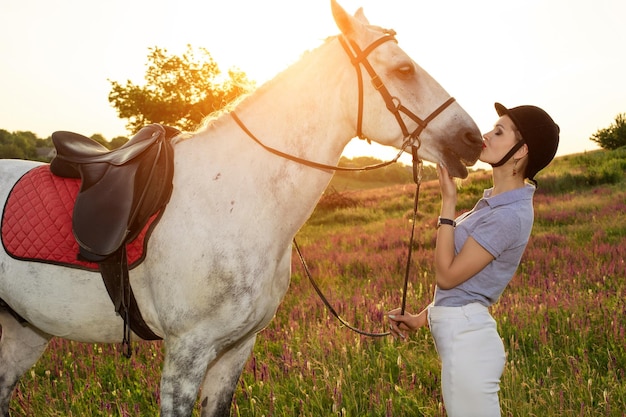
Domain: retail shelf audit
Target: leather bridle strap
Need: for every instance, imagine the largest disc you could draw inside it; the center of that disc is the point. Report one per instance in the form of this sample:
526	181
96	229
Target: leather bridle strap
417	176
356	59
393	104
327	303
314	164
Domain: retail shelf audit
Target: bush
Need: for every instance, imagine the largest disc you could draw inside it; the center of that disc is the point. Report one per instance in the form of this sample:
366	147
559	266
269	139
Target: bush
613	136
585	170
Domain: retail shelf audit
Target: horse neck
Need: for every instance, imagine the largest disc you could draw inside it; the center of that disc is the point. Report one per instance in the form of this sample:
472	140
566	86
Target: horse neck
300	112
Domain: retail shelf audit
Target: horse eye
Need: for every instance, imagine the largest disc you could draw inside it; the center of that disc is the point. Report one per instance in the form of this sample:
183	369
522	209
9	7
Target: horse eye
405	70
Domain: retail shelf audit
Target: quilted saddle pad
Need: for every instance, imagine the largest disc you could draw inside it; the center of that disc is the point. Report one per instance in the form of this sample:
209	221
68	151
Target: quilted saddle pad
37	222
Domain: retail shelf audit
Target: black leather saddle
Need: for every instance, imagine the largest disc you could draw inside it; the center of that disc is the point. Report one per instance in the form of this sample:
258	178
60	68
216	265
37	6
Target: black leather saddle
120	189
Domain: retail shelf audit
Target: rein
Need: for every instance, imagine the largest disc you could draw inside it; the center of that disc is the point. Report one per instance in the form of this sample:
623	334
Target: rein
314	164
417	177
358	57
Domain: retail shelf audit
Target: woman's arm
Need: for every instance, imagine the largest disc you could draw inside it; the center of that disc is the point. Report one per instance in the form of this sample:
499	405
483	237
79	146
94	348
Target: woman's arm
451	270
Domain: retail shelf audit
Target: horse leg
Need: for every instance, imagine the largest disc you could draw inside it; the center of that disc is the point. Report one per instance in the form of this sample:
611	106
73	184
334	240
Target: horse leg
186	361
20	347
222	377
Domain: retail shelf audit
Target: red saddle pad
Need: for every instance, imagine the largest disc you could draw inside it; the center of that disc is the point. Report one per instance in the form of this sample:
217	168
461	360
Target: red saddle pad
37	222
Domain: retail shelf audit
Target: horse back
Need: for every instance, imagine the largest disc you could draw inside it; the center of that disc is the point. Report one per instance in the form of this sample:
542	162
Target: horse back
11	170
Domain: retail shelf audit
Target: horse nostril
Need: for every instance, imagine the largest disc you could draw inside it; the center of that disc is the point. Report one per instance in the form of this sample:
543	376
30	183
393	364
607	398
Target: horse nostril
470	139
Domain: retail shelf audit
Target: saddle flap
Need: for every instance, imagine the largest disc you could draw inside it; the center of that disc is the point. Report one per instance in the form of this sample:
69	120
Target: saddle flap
101	213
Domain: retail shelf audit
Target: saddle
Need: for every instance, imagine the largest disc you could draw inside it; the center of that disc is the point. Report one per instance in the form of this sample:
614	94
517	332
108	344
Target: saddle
120	191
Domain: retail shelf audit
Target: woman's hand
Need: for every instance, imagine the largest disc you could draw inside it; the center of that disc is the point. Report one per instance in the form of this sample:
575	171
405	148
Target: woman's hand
400	324
447	185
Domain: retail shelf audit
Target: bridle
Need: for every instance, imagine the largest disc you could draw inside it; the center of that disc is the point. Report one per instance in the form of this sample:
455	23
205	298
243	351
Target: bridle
358	57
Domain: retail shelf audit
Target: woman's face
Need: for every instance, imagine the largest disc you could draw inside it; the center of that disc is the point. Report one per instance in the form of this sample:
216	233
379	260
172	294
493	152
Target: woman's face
498	142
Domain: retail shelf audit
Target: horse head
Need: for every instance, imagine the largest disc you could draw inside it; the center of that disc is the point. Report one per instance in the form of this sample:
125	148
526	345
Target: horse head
403	102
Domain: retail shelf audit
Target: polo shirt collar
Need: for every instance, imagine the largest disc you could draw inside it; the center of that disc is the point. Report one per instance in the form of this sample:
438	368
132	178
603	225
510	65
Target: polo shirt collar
518	194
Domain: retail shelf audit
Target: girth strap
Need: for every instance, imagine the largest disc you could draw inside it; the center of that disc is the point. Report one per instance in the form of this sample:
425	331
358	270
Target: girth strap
114	272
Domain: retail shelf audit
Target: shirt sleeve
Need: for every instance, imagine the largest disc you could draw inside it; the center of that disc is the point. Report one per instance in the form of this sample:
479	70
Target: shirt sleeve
498	231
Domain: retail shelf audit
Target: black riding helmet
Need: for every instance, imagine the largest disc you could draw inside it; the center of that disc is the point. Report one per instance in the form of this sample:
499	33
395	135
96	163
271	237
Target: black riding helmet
539	133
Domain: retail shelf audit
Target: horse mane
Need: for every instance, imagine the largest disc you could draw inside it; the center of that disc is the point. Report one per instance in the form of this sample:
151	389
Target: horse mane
212	119
293	67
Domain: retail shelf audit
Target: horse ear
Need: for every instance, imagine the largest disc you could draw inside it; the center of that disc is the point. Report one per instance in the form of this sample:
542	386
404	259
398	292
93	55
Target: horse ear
360	15
346	23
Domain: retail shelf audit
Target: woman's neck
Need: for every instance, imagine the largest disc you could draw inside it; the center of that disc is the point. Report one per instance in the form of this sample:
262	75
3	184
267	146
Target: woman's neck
504	180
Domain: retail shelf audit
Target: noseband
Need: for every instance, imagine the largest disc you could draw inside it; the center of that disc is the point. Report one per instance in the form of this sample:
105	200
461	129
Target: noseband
358	57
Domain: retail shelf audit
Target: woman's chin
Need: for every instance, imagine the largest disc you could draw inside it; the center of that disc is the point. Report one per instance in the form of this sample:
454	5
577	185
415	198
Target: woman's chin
485	158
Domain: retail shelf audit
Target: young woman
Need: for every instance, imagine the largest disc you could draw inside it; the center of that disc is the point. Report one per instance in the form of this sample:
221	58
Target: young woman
476	256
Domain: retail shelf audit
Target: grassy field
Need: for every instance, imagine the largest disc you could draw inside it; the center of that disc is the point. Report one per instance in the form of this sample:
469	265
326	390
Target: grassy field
563	318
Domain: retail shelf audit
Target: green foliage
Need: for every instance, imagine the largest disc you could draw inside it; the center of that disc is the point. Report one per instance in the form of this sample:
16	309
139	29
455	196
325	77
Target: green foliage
396	173
179	91
117	141
19	145
589	169
26	145
613	136
100	139
114	143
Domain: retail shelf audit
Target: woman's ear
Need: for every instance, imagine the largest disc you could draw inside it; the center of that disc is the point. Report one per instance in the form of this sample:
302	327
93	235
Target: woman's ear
521	152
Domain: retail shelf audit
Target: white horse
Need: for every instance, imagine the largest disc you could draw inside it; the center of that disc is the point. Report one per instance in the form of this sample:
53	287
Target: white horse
218	263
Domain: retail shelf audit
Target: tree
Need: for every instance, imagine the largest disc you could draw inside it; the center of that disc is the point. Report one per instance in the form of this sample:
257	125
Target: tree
613	136
117	142
179	91
100	139
18	145
11	151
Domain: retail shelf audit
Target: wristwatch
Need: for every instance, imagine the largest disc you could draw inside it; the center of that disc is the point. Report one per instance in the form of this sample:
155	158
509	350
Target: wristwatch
443	220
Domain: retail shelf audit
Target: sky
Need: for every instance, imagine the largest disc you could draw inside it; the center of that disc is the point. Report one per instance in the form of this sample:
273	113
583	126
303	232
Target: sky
566	56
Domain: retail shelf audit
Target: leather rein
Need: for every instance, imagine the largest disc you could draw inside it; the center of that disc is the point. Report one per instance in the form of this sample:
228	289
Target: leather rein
358	57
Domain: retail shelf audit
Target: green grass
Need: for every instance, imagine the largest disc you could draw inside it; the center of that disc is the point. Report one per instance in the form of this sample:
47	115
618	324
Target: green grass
563	318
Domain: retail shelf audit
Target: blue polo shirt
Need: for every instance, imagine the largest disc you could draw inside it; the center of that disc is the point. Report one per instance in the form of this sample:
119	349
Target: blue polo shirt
501	224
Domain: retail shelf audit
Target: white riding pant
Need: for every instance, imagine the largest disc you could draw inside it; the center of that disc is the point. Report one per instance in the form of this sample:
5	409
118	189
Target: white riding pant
472	359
